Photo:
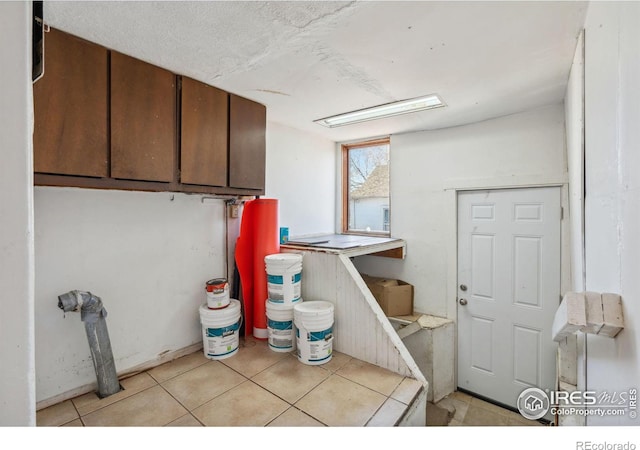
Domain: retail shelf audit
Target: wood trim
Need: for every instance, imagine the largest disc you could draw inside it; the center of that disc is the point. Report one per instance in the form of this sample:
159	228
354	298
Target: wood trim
43	179
177	150
345	189
371	143
393	253
345	185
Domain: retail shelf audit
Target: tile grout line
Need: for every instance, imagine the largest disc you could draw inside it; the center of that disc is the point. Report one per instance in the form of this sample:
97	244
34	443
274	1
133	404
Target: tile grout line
117	401
179	374
373	390
180	403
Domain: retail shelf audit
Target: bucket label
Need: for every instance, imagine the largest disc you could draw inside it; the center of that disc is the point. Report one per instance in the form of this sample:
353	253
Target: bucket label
223	340
314	347
280	334
218	291
284	288
320	335
224	331
217	285
277	325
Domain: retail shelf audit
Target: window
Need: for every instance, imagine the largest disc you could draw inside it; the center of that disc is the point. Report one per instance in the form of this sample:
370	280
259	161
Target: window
385	220
365	188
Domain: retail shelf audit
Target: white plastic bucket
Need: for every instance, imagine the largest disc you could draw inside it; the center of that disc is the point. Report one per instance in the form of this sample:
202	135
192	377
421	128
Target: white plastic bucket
217	293
314	331
284	277
280	327
220	330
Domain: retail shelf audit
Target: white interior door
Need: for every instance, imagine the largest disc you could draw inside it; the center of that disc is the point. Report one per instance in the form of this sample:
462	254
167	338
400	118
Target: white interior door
508	290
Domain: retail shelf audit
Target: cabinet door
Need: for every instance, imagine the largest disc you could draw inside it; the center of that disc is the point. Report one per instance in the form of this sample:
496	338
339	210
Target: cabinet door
71	108
247	125
143	120
204	132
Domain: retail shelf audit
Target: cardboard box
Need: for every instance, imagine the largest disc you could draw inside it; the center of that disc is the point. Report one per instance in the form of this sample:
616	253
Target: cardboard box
395	297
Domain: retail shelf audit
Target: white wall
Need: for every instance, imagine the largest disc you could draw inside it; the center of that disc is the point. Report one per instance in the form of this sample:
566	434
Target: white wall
574	120
574	123
612	208
301	175
427	167
17	371
146	255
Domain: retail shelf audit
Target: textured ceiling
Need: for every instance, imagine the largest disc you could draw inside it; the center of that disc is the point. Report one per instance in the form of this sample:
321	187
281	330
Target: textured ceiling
308	60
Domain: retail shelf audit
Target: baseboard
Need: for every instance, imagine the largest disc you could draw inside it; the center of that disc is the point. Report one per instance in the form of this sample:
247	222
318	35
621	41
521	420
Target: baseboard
164	358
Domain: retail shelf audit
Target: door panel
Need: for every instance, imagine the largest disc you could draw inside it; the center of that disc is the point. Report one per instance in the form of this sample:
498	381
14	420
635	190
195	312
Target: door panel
247	125
481	332
526	342
482	265
143	120
205	121
526	270
71	108
509	260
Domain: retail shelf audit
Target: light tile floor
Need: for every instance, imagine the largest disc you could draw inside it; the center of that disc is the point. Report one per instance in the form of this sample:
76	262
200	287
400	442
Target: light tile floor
471	411
255	387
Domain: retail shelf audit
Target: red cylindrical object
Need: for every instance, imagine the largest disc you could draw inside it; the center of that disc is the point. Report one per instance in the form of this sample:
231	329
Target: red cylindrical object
258	238
245	268
266	242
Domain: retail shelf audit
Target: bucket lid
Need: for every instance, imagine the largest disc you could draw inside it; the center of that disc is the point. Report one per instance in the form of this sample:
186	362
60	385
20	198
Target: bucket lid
285	258
232	309
281	306
314	308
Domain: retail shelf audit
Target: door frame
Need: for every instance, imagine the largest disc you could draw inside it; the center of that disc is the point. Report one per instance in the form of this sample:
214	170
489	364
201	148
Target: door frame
451	191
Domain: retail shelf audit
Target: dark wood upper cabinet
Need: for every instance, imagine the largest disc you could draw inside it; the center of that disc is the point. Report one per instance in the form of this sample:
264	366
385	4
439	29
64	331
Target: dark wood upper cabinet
109	121
204	134
247	125
71	108
143	120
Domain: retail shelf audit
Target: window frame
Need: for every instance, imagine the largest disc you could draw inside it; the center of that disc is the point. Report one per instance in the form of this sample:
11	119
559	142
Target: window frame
345	186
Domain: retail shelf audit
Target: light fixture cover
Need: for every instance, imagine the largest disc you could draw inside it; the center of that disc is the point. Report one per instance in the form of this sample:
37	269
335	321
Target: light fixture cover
387	110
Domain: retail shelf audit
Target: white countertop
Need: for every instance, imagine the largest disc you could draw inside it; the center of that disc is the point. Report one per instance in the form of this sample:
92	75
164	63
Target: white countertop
348	244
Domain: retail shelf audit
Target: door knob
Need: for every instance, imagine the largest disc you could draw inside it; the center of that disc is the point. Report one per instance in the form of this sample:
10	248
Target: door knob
463	301
463	287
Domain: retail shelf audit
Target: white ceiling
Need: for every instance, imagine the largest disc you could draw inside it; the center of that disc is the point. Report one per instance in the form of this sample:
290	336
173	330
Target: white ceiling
308	60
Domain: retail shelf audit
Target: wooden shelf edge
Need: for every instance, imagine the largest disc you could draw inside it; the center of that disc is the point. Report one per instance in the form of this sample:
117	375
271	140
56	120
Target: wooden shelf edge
41	179
391	253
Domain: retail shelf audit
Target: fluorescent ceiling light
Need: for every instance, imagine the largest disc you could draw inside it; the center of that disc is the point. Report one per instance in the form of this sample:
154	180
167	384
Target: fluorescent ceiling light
387	110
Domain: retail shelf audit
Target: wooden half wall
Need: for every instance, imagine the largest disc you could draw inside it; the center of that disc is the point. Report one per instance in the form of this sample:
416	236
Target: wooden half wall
361	329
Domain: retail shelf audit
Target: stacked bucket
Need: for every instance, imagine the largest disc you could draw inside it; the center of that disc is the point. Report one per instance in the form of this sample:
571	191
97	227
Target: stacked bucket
291	323
221	319
284	287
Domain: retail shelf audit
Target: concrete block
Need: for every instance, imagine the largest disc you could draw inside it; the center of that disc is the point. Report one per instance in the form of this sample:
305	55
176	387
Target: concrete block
595	316
567	419
570	317
431	344
612	312
568	360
